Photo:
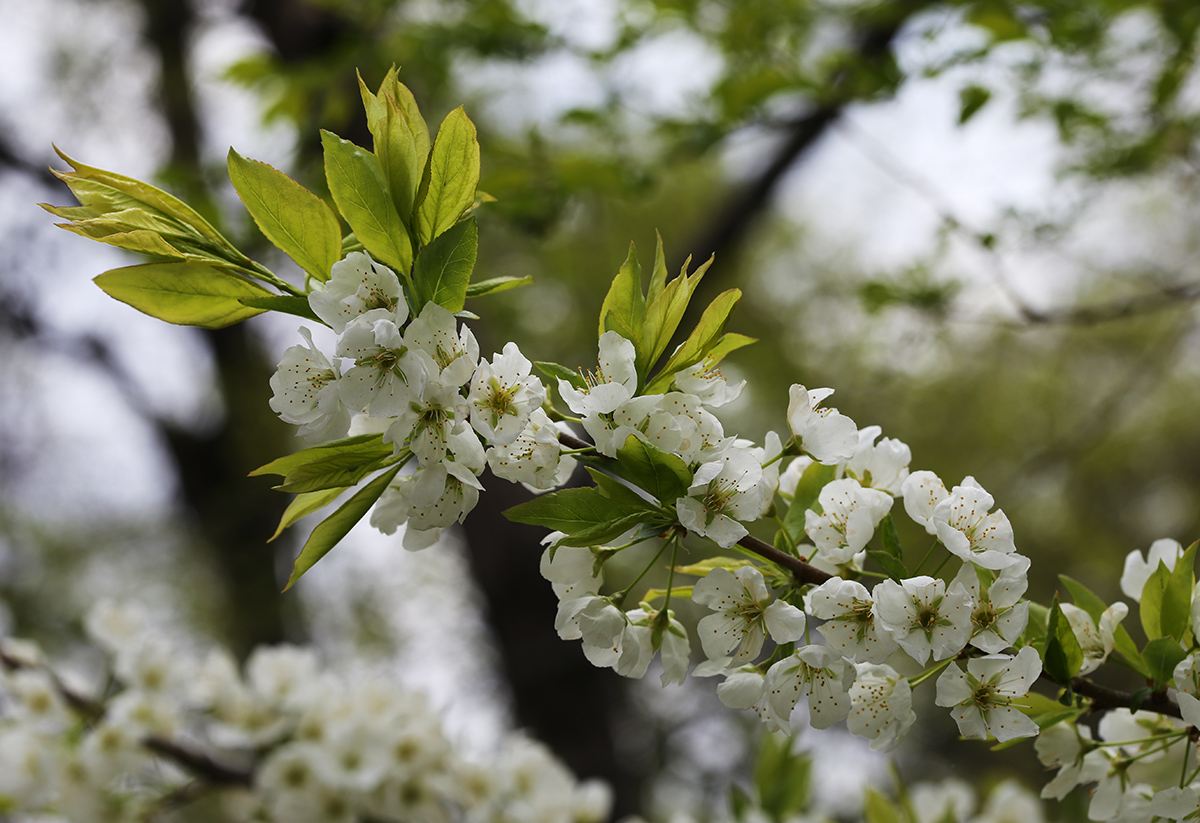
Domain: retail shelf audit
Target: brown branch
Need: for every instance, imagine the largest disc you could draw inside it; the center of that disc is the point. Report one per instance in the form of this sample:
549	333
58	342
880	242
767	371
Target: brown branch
1104	698
199	763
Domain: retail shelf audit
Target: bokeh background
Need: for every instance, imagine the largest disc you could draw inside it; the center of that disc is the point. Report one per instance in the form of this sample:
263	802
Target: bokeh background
976	220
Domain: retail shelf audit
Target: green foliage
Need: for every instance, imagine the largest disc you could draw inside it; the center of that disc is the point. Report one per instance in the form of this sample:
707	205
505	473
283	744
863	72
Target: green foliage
137	216
782	778
451	177
190	294
555	372
495	285
401	140
589	516
366	446
360	192
663	475
443	268
330	531
283	303
1162	656
1063	657
289	215
302	505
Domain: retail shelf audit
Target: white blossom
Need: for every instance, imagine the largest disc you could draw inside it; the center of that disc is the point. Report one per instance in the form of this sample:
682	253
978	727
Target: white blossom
503	395
879	465
817	672
535	456
923	617
358	287
1138	568
305	392
998	614
744	613
848	611
1097	642
850	515
386	375
708	384
454	351
824	433
982	699
722	493
880	706
965	527
923	491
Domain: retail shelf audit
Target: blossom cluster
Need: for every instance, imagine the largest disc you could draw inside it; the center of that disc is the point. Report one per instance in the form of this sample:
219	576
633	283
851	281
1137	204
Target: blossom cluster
421	383
285	739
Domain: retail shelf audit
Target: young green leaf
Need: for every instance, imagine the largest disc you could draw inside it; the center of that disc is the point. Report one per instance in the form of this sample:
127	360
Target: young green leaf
665	305
340	469
587	515
495	285
894	568
443	268
556	372
359	443
188	294
451	176
1151	606
624	307
1063	656
291	216
718	562
891	538
1162	655
618	491
698	344
663	475
360	192
1175	616
402	145
1084	598
303	505
284	303
330	531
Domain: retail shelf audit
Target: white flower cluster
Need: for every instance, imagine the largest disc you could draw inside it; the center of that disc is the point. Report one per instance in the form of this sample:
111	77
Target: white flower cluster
733	482
421	383
286	740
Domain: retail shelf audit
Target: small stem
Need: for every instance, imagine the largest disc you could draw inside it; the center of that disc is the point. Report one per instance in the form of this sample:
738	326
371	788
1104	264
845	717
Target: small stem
619	598
1187	750
584	450
928	554
1158	738
671	571
945	560
774	459
918	679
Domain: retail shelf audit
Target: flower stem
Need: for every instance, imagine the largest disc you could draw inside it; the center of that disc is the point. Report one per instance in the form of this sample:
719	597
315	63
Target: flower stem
938	668
619	598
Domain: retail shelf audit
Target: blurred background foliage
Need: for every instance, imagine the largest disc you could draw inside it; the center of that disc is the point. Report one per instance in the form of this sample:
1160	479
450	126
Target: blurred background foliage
847	162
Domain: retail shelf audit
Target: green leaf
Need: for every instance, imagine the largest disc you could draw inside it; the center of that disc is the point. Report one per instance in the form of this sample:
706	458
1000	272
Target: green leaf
665	306
556	372
891	538
451	176
702	339
291	216
340	469
495	285
585	512
332	529
970	100
1175	617
1124	646
718	562
680	592
808	489
1162	656
189	294
1151	606
1035	629
878	809
1084	598
402	145
894	568
663	475
359	443
1063	656
730	341
782	778
303	505
360	192
285	303
624	307
443	268
619	492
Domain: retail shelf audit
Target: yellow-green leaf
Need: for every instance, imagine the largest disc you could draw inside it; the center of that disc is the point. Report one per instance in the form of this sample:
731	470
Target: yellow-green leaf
443	268
291	216
451	176
361	195
189	294
303	505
